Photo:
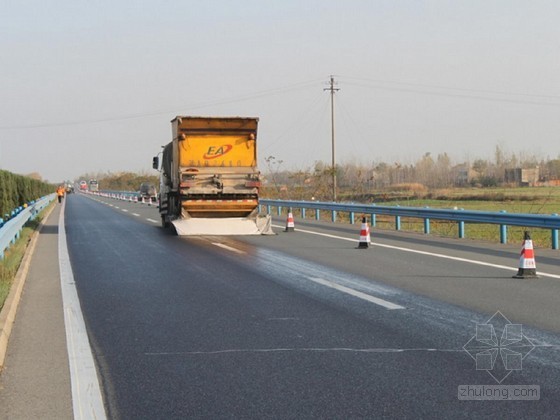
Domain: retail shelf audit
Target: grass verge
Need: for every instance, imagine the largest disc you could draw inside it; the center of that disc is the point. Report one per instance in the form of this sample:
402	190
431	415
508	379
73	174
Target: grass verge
13	257
542	200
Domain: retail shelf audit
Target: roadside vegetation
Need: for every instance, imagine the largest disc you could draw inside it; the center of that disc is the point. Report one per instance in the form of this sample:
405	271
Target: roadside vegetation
433	182
13	257
16	190
541	237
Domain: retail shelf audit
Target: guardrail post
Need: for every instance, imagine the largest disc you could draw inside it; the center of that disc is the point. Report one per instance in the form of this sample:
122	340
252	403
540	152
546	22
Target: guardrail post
372	217
398	221
426	224
461	225
554	236
303	212
549	222
503	231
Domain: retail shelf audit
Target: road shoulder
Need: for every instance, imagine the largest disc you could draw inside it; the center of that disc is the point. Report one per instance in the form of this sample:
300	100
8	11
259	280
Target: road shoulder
35	379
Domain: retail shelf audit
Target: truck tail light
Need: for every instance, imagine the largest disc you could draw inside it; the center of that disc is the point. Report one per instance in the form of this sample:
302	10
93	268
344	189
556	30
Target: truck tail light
253	184
188	184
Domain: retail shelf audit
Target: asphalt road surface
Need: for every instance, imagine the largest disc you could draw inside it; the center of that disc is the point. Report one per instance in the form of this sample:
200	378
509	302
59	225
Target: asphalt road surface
303	325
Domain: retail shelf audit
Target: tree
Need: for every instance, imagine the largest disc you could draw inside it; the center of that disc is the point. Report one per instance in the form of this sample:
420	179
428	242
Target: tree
443	171
480	167
425	170
553	168
273	167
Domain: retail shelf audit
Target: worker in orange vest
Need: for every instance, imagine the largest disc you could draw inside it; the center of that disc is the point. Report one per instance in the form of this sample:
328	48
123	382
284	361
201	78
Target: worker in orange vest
60	193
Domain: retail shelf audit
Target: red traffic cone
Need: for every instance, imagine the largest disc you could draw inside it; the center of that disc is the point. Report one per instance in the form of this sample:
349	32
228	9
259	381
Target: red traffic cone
365	238
527	264
290	226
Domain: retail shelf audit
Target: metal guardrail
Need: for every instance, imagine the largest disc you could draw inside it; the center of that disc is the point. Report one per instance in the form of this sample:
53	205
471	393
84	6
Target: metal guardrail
460	216
120	195
11	229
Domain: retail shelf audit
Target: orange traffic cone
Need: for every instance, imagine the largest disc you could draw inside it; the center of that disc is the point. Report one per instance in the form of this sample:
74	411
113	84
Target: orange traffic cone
527	264
365	238
290	226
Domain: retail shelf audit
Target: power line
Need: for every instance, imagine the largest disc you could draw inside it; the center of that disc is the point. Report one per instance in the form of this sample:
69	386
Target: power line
490	92
353	125
459	95
243	98
296	124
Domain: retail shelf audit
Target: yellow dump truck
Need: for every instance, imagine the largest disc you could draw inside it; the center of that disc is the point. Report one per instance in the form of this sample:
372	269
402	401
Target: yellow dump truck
209	183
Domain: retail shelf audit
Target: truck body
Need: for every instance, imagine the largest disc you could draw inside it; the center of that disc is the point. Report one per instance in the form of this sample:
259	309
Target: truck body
147	192
93	185
209	183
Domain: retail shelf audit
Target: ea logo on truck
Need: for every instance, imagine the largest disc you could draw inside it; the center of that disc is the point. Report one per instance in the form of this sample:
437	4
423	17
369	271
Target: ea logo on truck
215	152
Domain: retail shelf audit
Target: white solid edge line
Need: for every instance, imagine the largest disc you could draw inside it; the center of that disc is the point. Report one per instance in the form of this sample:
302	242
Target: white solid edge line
378	301
152	220
87	400
449	257
229	248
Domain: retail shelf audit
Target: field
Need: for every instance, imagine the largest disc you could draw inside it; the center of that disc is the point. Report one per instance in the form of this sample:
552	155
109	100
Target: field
529	200
536	200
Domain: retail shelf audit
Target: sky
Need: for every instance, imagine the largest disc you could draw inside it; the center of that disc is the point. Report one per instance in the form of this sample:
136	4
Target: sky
91	86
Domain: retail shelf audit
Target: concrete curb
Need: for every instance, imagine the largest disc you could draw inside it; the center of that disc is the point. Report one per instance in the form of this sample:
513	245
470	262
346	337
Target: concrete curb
8	313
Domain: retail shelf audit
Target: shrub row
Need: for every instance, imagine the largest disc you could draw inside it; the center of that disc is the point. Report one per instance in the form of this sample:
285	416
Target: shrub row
16	190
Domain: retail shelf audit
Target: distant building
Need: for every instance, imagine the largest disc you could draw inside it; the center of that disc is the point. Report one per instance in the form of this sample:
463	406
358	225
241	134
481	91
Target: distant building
463	174
522	177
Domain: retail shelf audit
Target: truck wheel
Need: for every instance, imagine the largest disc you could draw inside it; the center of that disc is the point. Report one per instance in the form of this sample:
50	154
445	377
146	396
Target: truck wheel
164	222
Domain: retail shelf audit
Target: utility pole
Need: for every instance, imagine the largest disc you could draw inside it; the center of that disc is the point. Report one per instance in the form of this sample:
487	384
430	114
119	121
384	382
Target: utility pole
332	89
